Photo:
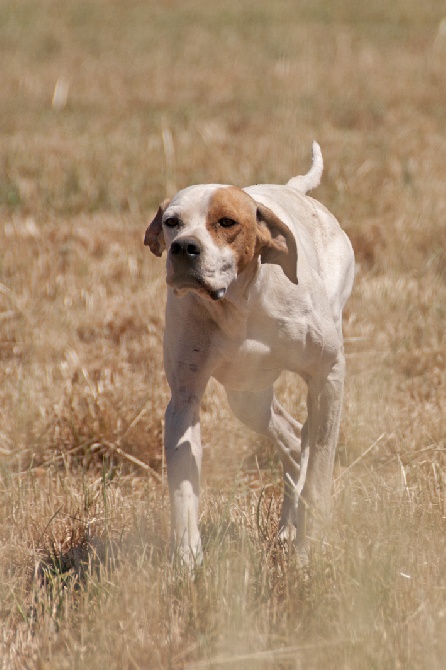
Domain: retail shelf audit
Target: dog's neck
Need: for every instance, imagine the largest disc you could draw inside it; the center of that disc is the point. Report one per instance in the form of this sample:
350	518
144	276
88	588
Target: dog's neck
232	311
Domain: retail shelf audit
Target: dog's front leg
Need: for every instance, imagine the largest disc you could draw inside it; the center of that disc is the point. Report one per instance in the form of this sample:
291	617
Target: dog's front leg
189	359
183	457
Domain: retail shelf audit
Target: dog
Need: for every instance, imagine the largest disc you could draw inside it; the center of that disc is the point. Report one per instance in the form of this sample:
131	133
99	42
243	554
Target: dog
257	281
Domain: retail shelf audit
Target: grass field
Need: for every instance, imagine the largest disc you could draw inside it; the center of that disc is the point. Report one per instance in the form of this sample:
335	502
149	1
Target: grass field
106	107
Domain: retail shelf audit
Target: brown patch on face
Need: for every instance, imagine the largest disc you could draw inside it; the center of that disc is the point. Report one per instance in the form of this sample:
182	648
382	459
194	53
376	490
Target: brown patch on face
231	204
250	229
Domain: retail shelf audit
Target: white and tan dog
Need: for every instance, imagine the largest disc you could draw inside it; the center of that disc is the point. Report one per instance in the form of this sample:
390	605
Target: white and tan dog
258	278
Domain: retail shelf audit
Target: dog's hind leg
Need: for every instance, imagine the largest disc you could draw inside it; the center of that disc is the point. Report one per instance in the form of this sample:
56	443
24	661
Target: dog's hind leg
324	414
261	412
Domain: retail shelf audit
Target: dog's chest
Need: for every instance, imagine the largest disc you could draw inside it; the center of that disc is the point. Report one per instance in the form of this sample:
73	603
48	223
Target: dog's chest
251	366
269	345
288	331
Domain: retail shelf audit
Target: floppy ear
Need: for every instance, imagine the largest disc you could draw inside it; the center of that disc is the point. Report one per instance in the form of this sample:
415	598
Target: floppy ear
154	238
276	243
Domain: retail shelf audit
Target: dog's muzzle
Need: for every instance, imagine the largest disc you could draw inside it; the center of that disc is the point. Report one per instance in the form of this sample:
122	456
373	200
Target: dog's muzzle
184	259
185	256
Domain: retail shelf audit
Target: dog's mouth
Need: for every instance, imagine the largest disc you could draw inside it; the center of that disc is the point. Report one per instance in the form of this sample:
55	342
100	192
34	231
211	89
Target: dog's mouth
198	285
201	290
209	284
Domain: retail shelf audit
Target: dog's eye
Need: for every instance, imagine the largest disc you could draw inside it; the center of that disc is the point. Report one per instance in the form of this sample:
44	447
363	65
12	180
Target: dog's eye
171	222
226	222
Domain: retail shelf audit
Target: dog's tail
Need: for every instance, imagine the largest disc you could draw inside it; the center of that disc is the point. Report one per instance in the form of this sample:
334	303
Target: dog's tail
306	182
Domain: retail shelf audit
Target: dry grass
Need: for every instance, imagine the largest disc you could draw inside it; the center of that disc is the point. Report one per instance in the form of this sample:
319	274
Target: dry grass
105	107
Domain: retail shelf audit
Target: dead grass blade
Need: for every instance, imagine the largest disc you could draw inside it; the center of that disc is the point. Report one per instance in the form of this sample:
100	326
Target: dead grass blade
270	656
359	459
132	459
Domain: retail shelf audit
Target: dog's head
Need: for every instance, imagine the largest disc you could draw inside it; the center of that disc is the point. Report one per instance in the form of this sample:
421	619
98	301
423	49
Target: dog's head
212	233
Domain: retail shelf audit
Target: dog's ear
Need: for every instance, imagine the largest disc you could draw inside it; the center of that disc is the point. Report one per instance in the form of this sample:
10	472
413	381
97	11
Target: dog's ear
276	243
154	238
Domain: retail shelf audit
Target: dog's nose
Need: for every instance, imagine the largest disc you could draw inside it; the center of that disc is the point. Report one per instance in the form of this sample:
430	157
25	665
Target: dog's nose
186	247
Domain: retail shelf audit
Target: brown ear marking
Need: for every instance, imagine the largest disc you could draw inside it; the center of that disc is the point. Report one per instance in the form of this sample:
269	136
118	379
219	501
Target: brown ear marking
276	242
154	238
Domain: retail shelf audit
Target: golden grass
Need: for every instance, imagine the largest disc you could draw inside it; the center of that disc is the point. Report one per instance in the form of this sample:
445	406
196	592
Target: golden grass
105	107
